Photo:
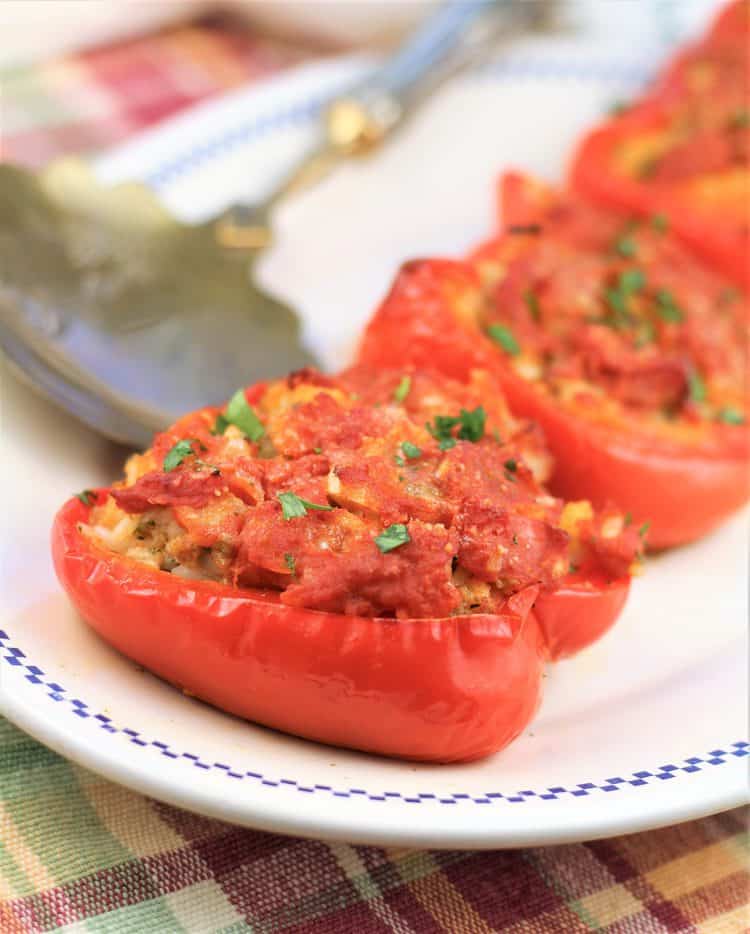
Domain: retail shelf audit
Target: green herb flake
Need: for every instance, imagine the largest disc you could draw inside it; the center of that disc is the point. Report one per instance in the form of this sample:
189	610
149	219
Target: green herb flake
626	247
504	337
447	443
87	497
696	387
627	519
294	507
511	465
731	416
660	223
241	414
403	389
532	303
666	307
220	425
392	537
177	454
442	427
472	424
631	280
399	460
290	563
643	530
740	119
515	539
317	450
411	450
619	316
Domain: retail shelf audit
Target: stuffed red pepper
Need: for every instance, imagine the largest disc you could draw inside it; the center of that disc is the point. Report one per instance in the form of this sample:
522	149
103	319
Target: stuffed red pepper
683	150
368	561
629	353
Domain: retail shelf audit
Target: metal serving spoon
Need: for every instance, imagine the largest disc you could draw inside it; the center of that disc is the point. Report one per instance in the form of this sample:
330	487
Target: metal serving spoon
126	317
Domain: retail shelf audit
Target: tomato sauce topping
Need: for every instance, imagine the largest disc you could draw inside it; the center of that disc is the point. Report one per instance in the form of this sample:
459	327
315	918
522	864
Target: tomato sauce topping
613	316
375	494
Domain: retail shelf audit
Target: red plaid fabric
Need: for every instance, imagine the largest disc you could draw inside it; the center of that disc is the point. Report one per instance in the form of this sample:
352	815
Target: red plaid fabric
91	101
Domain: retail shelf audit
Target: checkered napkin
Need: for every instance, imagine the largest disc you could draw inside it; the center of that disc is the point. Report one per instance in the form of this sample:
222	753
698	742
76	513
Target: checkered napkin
78	853
91	101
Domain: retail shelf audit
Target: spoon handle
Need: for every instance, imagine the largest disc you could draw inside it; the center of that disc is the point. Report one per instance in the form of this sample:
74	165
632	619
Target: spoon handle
359	119
424	49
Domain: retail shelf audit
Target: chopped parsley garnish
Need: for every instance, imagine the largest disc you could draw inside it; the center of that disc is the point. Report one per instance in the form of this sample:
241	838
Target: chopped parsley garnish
532	303
290	563
666	307
472	424
402	390
504	336
626	247
294	507
411	450
627	519
241	414
696	387
731	416
618	296
399	460
740	119
472	427
220	425
660	222
87	497
441	429
619	314
643	530
177	454
317	450
511	465
631	280
392	537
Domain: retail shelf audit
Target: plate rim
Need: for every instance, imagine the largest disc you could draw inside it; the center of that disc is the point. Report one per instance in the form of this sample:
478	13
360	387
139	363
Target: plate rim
291	821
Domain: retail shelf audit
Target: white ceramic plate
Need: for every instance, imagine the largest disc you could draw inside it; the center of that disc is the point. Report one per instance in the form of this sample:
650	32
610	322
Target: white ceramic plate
644	729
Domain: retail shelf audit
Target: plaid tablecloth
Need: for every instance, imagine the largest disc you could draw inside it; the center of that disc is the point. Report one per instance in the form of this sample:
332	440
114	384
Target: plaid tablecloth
82	854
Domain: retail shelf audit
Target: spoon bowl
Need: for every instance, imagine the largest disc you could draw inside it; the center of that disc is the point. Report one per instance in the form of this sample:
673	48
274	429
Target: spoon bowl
152	315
